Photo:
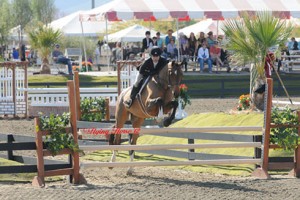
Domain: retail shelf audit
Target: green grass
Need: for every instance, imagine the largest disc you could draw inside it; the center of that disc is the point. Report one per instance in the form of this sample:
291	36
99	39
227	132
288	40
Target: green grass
62	80
20	177
212	88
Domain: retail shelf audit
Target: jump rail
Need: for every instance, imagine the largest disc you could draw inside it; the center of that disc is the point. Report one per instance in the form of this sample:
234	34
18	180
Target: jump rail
170	163
170	146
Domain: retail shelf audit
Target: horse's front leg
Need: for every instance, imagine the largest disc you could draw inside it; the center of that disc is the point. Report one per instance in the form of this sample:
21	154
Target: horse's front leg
136	123
155	102
170	105
132	140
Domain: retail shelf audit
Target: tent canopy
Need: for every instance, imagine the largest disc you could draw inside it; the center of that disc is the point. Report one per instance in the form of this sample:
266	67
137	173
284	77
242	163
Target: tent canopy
71	26
203	26
193	9
134	33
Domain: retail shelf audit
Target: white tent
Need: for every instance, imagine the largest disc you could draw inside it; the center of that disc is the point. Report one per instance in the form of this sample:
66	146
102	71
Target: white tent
203	26
70	25
134	33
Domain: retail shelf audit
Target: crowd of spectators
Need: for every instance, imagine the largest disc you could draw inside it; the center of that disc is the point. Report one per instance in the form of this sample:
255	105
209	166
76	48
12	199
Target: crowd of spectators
202	50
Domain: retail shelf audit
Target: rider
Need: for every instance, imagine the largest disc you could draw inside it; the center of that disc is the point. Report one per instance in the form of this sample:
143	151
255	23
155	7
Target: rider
150	67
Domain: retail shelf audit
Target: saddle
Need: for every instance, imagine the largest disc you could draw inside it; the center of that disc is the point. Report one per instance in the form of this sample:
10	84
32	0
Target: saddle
139	98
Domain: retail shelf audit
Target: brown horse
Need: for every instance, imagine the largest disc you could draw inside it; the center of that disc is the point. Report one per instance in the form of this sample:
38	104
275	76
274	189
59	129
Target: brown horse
158	93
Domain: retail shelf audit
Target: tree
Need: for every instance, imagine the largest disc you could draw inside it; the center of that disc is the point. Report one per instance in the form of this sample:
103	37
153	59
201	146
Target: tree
43	39
5	22
43	10
22	15
250	40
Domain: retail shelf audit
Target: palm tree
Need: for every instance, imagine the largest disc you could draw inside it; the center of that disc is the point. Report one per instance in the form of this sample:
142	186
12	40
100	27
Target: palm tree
43	39
250	40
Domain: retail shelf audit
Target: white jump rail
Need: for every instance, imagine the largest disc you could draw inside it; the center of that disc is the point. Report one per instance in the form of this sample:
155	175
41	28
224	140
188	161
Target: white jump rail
151	131
170	146
170	163
285	102
59	96
144	131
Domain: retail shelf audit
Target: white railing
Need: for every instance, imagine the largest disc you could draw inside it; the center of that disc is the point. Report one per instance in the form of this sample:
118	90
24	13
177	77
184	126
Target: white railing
59	96
6	84
128	76
284	102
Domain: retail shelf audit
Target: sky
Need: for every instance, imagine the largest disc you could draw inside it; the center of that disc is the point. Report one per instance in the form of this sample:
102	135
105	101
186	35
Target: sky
66	7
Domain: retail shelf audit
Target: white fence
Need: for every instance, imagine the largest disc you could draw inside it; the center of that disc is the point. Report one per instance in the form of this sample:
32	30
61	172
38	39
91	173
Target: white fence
128	76
59	96
13	75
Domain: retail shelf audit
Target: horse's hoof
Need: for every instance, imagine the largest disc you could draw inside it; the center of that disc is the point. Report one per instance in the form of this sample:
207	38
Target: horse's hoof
167	123
129	172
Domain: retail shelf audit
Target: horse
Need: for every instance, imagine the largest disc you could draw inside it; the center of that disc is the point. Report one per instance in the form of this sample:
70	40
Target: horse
160	92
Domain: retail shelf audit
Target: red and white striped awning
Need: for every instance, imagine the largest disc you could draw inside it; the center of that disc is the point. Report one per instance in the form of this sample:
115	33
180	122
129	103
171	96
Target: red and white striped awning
191	9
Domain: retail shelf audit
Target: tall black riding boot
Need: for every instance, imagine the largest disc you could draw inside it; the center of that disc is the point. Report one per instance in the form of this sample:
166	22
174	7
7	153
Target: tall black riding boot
133	93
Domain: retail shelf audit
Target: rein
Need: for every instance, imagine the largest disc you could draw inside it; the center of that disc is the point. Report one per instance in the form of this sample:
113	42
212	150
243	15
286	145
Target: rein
168	80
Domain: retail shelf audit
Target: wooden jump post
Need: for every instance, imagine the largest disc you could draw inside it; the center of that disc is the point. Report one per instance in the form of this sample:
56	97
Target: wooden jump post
75	177
262	172
77	97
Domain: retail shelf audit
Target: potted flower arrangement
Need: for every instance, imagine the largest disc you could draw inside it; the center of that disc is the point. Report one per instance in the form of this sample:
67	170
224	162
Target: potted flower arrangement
244	102
86	65
184	98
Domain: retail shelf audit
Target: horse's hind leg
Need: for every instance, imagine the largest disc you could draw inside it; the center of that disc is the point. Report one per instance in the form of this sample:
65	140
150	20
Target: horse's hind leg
136	123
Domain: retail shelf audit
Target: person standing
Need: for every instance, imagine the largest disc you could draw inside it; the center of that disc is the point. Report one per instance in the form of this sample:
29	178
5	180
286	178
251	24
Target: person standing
147	42
15	54
210	39
159	41
23	49
97	56
192	45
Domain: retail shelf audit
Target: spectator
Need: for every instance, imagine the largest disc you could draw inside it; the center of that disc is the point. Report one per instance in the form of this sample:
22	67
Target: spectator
159	41
201	40
192	45
97	56
23	49
183	45
172	51
294	44
15	54
210	39
58	57
154	41
215	54
147	42
169	37
203	57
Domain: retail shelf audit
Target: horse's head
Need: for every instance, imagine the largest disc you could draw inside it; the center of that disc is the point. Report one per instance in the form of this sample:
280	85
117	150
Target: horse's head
175	76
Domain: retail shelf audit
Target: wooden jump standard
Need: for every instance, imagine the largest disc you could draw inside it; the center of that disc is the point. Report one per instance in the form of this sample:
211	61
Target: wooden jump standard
262	172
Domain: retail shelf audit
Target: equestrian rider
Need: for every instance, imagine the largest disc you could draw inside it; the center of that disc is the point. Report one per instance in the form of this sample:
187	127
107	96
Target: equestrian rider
150	67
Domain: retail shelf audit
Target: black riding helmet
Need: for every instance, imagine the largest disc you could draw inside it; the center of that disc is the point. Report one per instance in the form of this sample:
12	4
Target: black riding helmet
156	51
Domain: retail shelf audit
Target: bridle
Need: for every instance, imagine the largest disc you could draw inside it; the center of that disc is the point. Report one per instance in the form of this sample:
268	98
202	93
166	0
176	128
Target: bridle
169	82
